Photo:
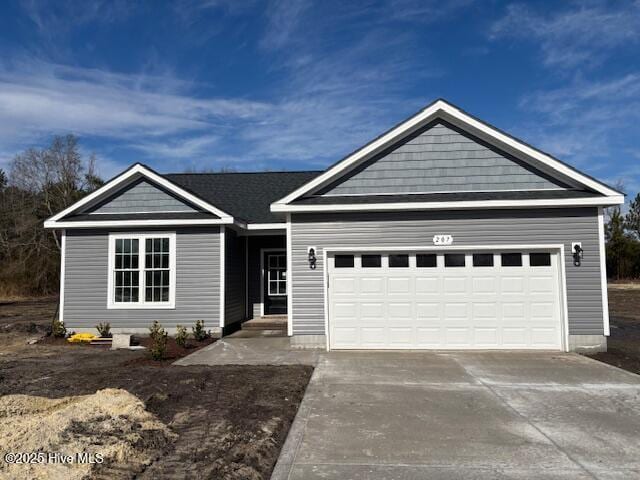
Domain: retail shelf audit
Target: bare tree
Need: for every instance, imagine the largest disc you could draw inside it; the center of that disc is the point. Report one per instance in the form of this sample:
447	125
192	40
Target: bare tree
41	183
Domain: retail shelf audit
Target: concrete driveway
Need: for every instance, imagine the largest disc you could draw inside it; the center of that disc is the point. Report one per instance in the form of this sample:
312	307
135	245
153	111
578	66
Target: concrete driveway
464	416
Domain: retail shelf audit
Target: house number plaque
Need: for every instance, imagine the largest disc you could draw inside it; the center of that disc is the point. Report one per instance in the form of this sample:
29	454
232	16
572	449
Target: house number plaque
442	239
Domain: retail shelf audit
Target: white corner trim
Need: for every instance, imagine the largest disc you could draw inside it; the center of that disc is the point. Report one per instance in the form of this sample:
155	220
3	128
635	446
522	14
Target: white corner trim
246	277
135	223
565	304
141	304
223	255
466	205
444	110
140	170
63	262
603	273
325	281
289	278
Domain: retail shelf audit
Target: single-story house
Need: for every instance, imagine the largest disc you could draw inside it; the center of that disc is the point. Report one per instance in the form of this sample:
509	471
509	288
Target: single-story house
442	233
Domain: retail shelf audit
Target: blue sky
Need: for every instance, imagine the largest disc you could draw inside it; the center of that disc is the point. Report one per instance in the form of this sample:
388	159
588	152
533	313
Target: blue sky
253	85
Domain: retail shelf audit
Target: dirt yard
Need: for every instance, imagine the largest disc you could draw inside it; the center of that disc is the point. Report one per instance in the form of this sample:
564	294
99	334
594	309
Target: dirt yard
230	421
624	343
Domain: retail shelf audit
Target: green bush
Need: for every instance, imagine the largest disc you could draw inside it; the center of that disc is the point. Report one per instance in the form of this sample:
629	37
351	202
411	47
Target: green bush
104	329
58	329
199	333
159	336
181	336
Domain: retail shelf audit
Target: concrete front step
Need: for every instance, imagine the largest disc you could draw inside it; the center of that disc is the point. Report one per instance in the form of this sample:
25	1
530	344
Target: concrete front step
271	322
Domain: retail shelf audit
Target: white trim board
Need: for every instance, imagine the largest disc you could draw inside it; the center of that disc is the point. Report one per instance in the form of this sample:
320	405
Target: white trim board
223	255
135	223
133	173
289	278
63	261
466	205
446	111
603	273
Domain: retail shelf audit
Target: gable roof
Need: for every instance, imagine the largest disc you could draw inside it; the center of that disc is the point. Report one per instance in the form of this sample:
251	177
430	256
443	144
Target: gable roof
126	178
246	196
442	110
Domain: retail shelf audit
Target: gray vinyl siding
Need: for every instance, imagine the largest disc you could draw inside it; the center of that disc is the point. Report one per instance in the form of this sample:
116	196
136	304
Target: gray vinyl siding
143	197
440	159
197	282
235	271
408	229
255	244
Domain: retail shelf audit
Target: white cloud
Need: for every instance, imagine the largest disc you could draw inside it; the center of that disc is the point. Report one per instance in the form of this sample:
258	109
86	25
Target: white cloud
283	18
586	122
580	35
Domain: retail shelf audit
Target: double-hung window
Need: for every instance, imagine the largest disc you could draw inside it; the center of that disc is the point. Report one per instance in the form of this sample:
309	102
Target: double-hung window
142	270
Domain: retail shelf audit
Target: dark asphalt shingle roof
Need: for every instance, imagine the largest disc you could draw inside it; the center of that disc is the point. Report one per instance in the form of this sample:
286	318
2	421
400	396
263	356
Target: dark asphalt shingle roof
446	197
246	196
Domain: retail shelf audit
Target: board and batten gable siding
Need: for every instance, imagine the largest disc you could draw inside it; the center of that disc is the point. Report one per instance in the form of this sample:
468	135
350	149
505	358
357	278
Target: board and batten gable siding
197	282
234	280
440	159
140	197
411	229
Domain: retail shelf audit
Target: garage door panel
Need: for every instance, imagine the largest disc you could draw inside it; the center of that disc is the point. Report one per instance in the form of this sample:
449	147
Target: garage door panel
342	285
440	307
484	285
511	285
372	286
399	286
455	285
427	285
455	310
486	337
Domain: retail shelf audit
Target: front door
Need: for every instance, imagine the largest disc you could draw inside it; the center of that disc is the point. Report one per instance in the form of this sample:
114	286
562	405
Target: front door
275	282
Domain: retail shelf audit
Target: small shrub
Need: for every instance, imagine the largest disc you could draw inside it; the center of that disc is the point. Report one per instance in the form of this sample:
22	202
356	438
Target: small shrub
104	329
199	333
159	336
181	336
58	329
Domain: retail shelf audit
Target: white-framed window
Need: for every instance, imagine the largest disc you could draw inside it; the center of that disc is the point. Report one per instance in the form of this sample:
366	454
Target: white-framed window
277	274
142	270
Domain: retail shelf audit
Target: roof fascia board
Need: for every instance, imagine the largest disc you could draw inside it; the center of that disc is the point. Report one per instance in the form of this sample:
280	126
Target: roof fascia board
465	205
129	174
134	223
448	112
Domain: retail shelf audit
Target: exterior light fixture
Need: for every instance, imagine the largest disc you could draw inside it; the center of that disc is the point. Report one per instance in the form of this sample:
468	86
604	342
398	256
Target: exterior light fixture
577	253
311	252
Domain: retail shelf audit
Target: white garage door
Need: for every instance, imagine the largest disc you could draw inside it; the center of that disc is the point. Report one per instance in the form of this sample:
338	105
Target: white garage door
450	300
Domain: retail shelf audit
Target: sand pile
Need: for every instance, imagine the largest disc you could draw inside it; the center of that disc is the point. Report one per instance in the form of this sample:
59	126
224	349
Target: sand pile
111	424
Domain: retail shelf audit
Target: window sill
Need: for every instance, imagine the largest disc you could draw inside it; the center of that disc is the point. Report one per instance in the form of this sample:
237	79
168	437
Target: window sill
140	306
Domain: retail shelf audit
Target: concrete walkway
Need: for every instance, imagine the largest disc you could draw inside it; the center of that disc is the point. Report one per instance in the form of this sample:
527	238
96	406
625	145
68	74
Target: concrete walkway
464	416
238	350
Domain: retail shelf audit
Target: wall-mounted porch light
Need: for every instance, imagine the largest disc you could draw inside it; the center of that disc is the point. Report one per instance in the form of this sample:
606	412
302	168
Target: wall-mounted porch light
311	253
577	252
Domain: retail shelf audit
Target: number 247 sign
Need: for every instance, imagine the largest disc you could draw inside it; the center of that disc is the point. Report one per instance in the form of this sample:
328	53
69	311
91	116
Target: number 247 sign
442	239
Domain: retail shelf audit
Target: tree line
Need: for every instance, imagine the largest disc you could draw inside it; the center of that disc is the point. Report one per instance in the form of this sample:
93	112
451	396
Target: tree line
40	182
622	235
43	181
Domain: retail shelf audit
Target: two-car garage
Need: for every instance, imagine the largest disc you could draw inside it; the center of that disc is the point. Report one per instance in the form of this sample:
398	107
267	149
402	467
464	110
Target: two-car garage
457	299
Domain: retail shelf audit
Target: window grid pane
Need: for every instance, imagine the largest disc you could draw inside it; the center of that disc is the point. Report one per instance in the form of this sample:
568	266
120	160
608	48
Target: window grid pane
157	281
277	274
126	274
